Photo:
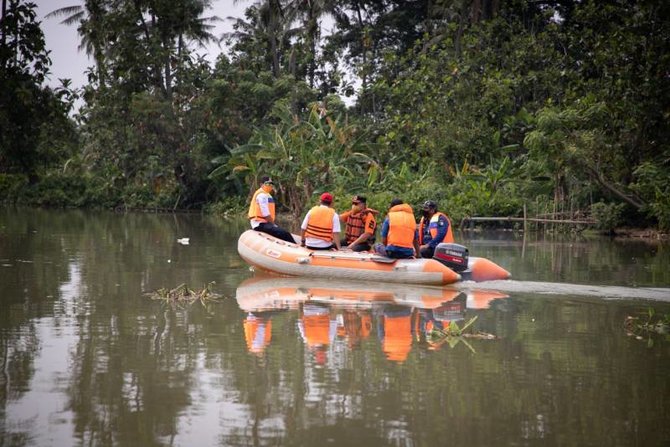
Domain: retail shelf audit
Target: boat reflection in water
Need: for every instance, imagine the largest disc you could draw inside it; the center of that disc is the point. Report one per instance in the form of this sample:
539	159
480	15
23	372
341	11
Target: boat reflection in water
330	309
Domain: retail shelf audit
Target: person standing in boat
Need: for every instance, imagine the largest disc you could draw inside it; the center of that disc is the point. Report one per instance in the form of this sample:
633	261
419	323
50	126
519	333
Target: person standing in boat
321	226
434	228
400	239
262	212
360	225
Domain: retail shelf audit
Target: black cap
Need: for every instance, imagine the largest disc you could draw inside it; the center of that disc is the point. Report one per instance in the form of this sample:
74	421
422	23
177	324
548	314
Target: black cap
429	204
267	180
359	198
395	202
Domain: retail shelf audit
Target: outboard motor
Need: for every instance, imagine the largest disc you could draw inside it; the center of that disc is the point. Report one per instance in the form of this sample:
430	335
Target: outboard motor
454	256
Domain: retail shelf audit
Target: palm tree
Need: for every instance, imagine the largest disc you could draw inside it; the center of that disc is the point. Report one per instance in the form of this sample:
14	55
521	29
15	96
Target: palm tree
269	21
312	11
174	24
91	18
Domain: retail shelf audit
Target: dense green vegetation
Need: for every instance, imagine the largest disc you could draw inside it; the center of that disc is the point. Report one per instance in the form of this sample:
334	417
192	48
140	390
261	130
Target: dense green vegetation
483	105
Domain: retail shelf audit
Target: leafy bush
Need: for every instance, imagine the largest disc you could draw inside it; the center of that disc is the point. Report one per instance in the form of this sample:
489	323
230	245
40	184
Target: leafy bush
608	216
11	186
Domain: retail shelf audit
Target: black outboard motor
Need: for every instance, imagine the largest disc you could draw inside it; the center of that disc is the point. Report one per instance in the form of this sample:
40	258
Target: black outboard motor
453	256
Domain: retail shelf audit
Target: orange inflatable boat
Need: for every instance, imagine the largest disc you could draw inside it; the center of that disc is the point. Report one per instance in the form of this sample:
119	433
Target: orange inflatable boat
274	255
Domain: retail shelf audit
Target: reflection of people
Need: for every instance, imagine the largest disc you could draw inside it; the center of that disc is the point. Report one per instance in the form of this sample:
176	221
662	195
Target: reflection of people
317	329
354	326
360	225
395	332
440	318
257	332
321	226
399	236
262	212
434	228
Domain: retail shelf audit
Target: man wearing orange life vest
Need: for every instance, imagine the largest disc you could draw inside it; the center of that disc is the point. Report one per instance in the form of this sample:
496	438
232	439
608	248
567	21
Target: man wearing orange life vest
321	226
360	225
400	238
434	228
262	212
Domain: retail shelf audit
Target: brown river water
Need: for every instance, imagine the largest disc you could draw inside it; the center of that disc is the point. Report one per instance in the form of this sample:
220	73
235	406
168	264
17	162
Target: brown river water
87	357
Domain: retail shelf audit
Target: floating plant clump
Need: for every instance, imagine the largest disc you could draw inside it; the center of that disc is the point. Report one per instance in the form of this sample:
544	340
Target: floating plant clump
453	334
648	327
182	294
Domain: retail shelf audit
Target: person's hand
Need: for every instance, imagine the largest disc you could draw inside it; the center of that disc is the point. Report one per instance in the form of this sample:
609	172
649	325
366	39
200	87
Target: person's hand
302	243
423	247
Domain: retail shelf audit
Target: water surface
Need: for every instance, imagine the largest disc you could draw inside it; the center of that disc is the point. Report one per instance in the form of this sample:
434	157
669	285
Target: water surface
89	358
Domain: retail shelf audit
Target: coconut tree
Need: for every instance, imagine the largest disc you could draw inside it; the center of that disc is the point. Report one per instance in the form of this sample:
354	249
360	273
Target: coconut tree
92	25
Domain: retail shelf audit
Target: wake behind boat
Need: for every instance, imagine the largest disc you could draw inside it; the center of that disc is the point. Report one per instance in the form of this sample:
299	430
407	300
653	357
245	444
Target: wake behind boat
274	255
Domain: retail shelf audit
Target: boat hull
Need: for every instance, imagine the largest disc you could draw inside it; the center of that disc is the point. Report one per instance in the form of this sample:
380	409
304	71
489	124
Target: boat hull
271	254
268	253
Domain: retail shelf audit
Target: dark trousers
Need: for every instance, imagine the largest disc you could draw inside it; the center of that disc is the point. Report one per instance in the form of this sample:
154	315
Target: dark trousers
358	247
276	231
427	252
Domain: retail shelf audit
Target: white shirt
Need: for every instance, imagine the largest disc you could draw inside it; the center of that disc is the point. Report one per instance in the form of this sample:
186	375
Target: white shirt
262	199
316	242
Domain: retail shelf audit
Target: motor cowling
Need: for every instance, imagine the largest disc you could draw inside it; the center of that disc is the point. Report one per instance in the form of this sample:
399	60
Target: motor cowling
454	256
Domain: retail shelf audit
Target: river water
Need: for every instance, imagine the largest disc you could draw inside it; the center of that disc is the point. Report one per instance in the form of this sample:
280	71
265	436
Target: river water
89	358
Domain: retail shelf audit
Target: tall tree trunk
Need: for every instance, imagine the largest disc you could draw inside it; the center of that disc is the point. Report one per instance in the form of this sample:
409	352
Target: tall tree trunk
364	81
168	68
275	56
2	25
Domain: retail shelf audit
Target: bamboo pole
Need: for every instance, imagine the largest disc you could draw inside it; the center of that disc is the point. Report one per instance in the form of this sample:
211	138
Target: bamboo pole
529	219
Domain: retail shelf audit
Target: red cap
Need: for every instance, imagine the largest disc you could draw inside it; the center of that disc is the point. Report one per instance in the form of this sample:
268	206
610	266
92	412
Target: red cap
327	197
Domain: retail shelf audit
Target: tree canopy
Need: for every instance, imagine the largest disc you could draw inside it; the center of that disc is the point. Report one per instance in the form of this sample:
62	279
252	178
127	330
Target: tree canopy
485	105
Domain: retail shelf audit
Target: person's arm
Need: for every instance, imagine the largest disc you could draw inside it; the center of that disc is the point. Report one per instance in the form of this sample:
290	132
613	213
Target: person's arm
442	226
336	231
262	200
345	215
385	231
417	249
303	227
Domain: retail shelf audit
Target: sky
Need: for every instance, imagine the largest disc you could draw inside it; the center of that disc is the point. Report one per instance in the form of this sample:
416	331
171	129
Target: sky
63	40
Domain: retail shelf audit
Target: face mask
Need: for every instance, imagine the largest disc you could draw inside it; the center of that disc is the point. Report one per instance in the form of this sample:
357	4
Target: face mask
425	213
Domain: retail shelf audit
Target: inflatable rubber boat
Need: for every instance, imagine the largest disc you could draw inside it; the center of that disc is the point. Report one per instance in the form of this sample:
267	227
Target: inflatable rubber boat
268	253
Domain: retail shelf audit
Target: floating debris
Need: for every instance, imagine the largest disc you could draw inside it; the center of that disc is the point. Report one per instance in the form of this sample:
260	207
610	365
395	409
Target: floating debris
183	241
639	328
183	295
453	334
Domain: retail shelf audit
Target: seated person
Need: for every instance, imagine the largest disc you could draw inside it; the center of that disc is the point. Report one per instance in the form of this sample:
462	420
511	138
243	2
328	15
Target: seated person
434	228
400	238
321	226
262	212
360	225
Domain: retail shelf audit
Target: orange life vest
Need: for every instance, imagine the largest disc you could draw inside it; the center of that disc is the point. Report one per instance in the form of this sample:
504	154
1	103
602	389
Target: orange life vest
255	208
432	228
397	337
317	330
401	226
356	225
257	334
320	223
